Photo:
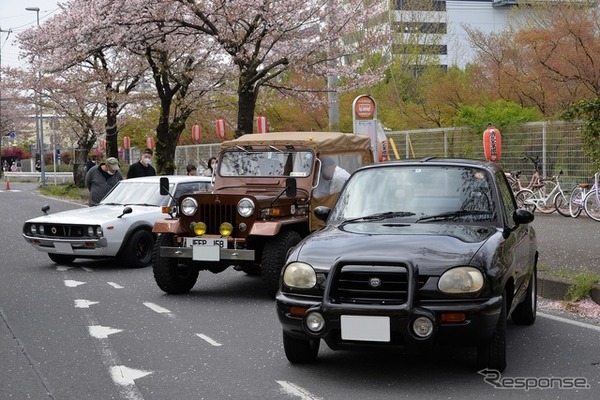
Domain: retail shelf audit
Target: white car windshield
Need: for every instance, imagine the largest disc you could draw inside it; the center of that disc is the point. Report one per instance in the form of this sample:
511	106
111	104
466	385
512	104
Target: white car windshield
422	194
130	192
266	163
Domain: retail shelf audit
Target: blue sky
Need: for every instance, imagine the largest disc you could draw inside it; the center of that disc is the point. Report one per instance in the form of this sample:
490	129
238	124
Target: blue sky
15	18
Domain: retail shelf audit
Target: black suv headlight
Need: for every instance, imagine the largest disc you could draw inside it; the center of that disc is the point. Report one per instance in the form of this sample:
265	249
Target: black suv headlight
299	275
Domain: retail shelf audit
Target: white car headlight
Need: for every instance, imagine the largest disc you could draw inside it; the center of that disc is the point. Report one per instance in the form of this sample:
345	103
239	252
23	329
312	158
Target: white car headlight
299	275
189	206
461	280
245	207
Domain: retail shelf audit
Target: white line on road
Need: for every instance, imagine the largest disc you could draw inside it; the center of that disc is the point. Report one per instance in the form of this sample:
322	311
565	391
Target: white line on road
115	285
87	269
71	283
569	321
63	268
208	339
102	332
157	308
297	391
82	303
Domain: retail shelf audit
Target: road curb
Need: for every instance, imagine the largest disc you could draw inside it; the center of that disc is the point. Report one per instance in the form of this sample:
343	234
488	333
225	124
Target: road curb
554	288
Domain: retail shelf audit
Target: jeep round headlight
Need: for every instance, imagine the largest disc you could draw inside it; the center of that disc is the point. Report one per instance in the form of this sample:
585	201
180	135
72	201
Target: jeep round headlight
299	275
189	206
245	207
461	280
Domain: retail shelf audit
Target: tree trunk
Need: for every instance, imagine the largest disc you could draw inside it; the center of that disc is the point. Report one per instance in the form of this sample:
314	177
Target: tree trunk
247	96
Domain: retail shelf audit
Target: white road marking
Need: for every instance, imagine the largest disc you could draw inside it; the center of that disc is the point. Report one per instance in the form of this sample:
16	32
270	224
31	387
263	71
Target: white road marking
115	285
208	339
297	391
87	269
125	376
63	268
102	332
157	308
71	283
569	321
82	303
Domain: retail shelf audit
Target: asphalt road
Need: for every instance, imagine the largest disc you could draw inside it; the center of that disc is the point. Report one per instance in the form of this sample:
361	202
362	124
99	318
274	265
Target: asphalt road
100	331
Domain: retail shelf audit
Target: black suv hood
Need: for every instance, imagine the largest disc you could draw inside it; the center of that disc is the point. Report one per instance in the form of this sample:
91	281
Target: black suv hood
435	246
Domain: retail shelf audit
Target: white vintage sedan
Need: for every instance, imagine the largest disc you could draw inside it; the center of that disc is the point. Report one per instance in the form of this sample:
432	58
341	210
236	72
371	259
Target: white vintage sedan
120	226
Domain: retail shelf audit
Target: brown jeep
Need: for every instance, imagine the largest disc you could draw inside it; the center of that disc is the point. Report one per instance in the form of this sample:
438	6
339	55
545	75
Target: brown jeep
265	188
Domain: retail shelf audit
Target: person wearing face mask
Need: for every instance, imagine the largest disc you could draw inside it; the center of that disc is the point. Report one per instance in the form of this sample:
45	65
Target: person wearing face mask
101	178
143	167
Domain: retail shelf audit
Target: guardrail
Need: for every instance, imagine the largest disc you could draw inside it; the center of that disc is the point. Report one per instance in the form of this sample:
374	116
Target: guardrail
51	177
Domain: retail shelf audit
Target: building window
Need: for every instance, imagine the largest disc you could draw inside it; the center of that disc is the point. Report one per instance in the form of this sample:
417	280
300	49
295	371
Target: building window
421	5
420	27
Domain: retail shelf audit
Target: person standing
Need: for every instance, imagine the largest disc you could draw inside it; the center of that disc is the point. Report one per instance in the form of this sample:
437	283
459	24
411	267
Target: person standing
191	169
212	164
332	178
100	179
143	167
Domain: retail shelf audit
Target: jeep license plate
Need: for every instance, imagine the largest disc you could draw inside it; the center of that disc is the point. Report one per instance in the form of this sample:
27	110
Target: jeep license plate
365	328
206	249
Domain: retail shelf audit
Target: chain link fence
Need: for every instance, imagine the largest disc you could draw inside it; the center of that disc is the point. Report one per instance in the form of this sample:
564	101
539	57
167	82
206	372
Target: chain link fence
558	145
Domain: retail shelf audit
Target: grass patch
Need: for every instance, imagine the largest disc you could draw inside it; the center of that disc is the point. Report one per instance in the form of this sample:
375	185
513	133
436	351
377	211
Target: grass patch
582	285
65	191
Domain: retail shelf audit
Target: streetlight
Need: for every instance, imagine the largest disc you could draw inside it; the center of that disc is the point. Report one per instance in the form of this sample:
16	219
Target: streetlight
39	124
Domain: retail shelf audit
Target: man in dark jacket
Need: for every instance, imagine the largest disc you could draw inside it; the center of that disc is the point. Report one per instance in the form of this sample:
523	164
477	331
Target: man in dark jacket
100	179
143	167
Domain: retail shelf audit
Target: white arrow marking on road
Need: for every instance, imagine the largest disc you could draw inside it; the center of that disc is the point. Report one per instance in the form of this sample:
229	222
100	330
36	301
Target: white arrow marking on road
297	391
125	376
82	303
63	268
70	283
102	332
208	339
157	309
115	285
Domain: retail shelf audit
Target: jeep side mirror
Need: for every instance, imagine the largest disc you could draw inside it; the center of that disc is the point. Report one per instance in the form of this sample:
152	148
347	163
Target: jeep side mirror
164	186
290	187
322	212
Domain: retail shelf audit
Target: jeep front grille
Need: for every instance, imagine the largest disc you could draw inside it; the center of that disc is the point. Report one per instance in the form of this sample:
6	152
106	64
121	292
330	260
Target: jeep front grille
213	215
372	285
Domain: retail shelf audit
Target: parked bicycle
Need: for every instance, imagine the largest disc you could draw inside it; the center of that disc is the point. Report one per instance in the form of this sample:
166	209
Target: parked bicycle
586	198
546	196
576	200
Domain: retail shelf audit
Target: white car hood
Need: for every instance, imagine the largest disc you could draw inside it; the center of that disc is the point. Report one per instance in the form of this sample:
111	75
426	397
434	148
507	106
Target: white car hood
98	215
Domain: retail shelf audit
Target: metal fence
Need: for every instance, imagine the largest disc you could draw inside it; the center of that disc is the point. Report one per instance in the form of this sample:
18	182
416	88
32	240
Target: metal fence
558	145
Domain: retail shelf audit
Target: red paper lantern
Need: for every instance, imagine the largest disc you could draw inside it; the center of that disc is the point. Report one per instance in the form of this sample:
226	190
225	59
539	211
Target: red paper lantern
196	133
150	142
220	123
492	144
261	124
126	142
103	144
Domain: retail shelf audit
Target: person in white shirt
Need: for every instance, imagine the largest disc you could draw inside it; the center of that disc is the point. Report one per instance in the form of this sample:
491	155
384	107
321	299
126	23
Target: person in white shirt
332	178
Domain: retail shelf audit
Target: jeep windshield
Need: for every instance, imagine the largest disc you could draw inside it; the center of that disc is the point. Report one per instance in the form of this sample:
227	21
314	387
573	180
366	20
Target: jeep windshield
266	163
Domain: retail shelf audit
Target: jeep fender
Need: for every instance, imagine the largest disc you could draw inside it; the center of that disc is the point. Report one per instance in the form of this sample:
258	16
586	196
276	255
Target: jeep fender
265	228
167	226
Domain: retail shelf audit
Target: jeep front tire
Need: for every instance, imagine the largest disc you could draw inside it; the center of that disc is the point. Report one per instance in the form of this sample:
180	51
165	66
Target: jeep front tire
273	258
170	276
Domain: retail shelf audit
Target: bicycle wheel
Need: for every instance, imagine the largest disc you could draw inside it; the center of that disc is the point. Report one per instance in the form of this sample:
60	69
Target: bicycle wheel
591	204
543	202
524	198
561	203
575	202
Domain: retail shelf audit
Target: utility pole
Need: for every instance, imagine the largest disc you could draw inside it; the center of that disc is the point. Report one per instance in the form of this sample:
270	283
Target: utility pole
1	127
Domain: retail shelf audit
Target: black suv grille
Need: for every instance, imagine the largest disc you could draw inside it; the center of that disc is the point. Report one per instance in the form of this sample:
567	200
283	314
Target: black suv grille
214	215
373	285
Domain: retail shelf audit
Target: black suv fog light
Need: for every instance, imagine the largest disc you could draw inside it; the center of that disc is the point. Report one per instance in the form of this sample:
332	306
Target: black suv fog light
314	322
422	327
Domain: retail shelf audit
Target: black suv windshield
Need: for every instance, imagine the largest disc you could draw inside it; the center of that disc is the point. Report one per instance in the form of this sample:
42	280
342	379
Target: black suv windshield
271	162
428	193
